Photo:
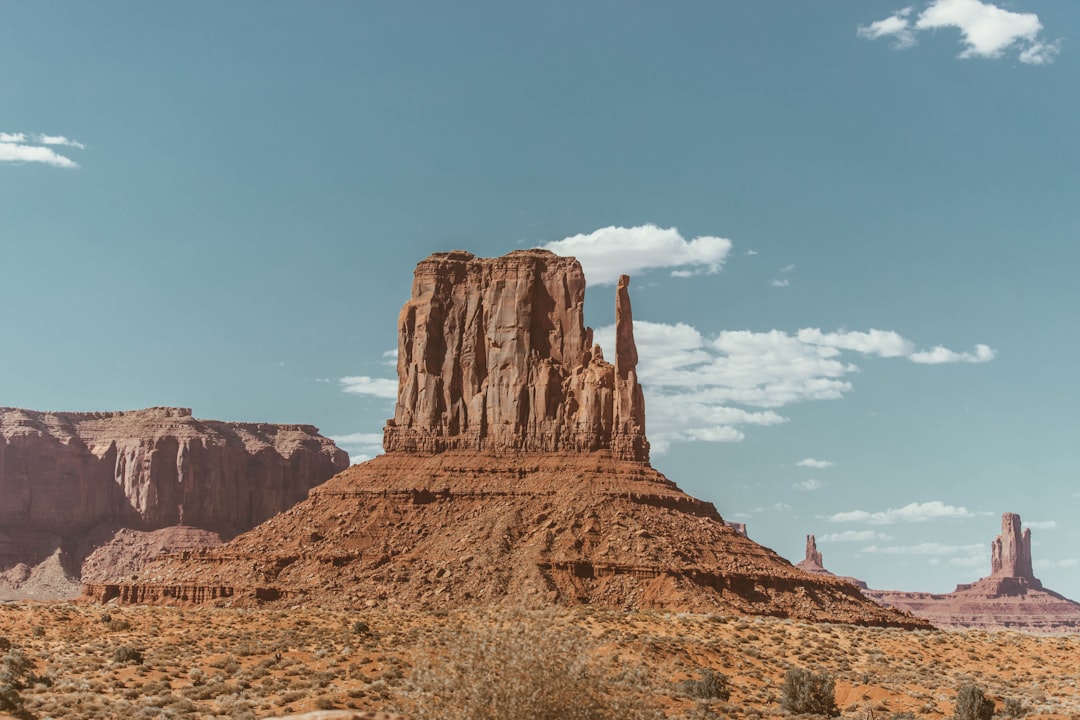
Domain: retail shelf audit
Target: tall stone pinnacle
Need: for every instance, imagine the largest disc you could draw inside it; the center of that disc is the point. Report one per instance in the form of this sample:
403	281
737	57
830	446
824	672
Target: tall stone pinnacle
1010	552
493	355
812	562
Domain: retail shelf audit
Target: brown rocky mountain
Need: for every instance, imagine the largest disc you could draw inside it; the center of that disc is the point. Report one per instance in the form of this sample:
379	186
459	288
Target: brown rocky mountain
1011	597
84	496
516	471
812	563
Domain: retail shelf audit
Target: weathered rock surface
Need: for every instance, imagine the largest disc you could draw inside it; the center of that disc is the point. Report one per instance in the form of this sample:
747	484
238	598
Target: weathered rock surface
493	354
96	487
516	473
812	564
1011	597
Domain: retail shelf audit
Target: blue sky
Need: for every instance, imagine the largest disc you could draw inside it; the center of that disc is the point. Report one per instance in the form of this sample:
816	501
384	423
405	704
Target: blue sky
219	206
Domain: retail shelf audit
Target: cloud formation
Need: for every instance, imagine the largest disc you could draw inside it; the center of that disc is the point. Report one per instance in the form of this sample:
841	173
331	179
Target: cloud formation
364	385
854	536
1041	525
19	147
702	388
360	446
808	485
912	512
612	251
926	548
988	30
812	463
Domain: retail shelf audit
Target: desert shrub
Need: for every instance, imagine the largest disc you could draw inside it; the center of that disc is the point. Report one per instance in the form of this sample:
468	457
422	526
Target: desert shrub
5	644
521	669
1014	708
125	654
38	631
361	628
711	685
807	692
119	624
972	704
15	674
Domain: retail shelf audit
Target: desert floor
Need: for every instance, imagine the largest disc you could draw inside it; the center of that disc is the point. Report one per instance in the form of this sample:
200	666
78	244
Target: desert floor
233	663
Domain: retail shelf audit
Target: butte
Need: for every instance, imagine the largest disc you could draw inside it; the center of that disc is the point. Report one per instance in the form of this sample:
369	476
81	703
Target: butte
1011	597
516	472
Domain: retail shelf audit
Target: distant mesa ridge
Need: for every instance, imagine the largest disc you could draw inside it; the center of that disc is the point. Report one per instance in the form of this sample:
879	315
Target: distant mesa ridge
85	495
517	471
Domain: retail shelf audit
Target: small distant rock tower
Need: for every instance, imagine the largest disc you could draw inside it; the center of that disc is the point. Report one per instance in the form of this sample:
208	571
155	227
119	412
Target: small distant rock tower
1010	553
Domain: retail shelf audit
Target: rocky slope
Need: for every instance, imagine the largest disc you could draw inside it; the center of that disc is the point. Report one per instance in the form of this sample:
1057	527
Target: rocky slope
516	472
1011	597
85	495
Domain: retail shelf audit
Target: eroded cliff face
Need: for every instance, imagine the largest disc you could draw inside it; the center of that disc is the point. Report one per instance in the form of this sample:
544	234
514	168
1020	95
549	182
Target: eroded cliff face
66	476
1010	553
493	354
65	472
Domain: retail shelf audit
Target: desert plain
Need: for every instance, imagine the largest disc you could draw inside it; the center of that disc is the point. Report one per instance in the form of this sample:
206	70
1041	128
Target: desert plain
263	662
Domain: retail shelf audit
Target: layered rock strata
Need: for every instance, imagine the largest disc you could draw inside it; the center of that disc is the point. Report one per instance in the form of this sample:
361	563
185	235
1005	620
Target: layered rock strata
1011	597
516	472
493	354
76	485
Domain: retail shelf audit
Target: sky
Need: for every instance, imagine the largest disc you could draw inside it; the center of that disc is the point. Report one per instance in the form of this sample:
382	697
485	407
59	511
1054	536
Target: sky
851	229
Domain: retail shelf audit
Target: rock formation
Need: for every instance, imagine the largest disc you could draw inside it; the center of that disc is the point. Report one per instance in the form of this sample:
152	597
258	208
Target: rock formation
516	472
813	564
493	355
76	485
1011	597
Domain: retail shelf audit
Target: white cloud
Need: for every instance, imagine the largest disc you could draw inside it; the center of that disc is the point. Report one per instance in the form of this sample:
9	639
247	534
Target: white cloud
775	507
612	251
59	140
926	548
854	536
775	282
751	252
364	385
987	30
360	446
913	512
1041	525
788	268
694	384
939	355
897	26
883	343
33	148
808	485
1044	564
812	463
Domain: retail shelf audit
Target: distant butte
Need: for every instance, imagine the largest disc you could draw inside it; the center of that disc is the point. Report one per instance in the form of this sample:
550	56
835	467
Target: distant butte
1011	597
516	472
812	564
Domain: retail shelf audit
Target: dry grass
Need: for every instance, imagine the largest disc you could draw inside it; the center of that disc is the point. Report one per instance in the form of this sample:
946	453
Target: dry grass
218	663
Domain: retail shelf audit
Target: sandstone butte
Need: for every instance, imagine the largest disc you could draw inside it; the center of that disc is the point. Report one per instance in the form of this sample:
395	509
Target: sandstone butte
516	472
90	496
1011	597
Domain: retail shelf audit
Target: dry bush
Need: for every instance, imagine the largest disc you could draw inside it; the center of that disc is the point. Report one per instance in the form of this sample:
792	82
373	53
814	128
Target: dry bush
522	668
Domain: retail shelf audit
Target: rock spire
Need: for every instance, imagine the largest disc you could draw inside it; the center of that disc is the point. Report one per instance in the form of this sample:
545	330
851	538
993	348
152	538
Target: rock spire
812	562
493	354
1010	552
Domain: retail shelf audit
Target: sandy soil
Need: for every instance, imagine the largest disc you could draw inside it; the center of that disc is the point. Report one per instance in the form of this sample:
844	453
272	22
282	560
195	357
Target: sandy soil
229	663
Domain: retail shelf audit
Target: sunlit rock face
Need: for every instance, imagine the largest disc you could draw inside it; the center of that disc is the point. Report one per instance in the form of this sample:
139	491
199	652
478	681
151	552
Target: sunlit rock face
493	354
74	485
